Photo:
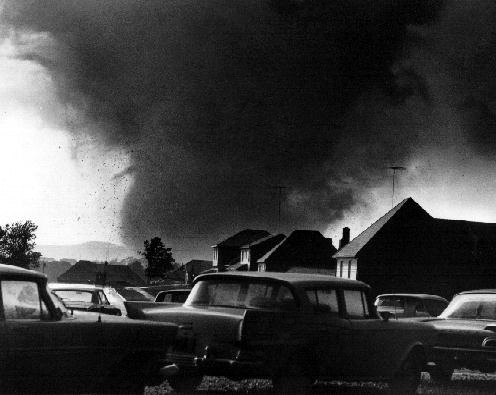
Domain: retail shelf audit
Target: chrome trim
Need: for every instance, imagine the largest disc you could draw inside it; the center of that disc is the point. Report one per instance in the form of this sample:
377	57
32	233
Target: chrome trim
439	348
487	340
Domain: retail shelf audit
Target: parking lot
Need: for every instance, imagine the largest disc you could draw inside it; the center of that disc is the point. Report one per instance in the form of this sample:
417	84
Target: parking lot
463	383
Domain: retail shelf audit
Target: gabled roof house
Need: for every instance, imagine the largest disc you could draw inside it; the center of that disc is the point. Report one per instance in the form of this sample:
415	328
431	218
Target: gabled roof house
228	252
86	272
408	250
302	251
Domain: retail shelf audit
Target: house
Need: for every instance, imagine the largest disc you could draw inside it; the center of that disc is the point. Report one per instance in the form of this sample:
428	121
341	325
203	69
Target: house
86	272
302	251
251	252
408	250
227	252
53	269
195	267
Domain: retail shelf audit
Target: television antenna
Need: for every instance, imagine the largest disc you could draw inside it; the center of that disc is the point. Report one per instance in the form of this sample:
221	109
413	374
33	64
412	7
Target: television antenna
279	188
395	169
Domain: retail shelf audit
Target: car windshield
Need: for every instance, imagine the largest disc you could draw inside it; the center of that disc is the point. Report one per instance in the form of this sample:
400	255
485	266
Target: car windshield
242	294
472	306
390	301
77	298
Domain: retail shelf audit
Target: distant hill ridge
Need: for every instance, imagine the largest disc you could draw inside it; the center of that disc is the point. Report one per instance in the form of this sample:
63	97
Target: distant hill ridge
90	250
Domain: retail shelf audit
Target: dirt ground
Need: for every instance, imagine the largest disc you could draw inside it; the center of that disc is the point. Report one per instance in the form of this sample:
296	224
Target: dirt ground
463	383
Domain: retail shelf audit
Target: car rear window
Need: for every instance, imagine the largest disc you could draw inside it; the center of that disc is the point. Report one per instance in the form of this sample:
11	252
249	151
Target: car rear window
77	298
391	301
242	294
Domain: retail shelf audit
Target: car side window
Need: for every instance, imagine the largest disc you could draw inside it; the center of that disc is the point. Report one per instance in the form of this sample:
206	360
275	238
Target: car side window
167	298
269	295
21	300
356	303
323	300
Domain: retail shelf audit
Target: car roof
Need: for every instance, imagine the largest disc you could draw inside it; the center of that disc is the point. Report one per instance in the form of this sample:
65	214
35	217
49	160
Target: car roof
305	279
81	287
479	291
418	296
174	291
16	270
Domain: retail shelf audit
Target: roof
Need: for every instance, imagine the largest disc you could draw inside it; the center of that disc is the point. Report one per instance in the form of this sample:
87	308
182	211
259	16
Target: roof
419	296
263	239
313	270
300	248
238	266
353	247
269	253
242	238
293	278
17	270
82	287
85	271
200	262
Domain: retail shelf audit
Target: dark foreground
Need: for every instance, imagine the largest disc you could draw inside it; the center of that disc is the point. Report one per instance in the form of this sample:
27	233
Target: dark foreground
464	382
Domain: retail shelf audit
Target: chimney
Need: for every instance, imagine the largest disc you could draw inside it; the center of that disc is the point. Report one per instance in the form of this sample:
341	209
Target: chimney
346	237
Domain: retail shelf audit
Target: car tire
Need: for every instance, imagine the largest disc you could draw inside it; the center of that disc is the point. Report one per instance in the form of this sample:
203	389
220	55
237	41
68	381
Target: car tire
294	377
292	384
441	374
185	383
407	379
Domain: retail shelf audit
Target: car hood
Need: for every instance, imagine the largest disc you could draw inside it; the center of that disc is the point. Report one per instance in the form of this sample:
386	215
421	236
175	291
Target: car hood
462	324
463	333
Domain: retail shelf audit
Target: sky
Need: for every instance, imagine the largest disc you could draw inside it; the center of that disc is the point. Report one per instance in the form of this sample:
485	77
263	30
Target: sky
192	120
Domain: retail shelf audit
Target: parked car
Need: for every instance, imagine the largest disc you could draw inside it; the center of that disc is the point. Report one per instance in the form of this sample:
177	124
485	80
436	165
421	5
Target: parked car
43	348
88	297
135	294
292	328
467	335
411	305
173	296
169	298
155	289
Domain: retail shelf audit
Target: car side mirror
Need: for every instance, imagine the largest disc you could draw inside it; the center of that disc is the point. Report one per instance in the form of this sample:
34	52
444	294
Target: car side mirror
386	315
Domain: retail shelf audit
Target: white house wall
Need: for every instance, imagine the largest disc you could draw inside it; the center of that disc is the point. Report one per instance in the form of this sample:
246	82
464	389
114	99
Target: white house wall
347	268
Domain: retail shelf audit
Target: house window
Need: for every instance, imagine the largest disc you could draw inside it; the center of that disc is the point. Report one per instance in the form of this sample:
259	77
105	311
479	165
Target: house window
341	269
349	269
261	267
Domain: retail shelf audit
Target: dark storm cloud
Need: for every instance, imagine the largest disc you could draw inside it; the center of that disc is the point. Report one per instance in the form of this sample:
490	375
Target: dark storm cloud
218	102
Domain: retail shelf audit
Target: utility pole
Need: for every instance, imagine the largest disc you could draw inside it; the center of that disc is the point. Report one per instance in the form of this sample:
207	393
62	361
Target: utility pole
394	169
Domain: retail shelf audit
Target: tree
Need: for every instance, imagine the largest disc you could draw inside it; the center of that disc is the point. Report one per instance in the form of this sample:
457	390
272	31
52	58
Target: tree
17	244
159	258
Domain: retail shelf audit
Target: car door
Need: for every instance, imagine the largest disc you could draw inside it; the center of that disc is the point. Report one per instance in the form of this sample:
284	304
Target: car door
42	349
329	331
375	346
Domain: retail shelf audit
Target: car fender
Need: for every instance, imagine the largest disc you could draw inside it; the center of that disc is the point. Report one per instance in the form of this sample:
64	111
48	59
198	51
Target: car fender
417	348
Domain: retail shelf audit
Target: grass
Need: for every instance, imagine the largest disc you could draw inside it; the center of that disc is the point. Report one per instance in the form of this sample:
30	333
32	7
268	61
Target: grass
463	383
